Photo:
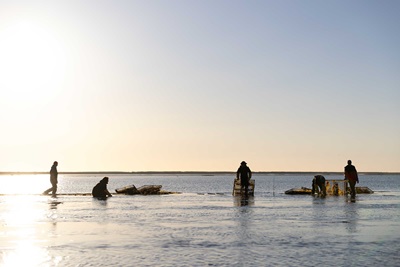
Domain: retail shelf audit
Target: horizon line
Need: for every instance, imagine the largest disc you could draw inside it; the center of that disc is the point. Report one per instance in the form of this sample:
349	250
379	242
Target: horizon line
188	172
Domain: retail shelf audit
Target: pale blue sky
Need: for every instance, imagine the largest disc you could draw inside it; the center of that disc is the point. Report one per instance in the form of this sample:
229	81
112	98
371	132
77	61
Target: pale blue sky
199	85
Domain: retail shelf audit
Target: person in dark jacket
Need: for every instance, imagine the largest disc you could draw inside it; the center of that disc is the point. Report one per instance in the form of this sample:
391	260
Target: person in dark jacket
53	180
244	174
350	174
100	189
318	185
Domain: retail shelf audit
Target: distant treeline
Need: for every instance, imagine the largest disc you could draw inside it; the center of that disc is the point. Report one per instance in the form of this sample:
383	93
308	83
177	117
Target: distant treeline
205	173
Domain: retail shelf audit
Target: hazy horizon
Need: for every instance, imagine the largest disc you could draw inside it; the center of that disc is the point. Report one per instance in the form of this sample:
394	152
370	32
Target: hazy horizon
190	172
200	85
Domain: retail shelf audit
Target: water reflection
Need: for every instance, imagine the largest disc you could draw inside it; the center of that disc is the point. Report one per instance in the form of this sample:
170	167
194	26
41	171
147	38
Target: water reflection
24	253
241	201
54	204
319	208
351	216
21	219
100	201
243	218
23	184
17	210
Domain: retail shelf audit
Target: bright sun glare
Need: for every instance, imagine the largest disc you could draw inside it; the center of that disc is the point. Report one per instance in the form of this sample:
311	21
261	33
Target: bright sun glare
21	218
32	60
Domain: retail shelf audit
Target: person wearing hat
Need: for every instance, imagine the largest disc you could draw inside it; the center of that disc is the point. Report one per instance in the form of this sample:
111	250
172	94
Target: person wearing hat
244	174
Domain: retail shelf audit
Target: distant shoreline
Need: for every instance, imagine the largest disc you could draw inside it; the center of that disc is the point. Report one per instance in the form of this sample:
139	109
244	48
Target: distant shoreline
204	173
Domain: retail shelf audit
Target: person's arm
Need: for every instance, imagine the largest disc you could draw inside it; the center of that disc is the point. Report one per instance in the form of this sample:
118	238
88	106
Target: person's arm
356	174
249	174
237	173
313	186
108	193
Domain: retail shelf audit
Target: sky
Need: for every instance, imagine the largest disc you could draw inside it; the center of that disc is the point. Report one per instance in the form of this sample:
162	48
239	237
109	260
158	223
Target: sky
199	85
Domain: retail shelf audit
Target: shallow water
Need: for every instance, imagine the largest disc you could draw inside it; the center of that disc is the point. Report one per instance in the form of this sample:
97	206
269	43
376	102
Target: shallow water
203	226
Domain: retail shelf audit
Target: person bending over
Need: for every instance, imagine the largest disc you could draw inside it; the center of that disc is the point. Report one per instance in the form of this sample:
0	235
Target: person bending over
319	182
100	189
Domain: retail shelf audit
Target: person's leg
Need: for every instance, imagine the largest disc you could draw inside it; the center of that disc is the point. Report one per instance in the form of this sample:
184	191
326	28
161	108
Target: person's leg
352	188
323	189
244	185
54	189
47	191
316	189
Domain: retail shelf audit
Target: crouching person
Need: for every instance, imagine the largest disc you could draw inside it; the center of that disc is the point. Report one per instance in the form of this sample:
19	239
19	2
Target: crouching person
318	185
100	190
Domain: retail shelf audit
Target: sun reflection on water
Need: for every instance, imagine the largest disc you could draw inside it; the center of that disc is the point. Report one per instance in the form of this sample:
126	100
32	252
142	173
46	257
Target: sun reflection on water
25	253
22	210
24	231
24	184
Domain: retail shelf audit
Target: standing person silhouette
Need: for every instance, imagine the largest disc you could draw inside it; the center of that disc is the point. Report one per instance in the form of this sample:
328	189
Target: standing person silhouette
350	173
244	173
53	180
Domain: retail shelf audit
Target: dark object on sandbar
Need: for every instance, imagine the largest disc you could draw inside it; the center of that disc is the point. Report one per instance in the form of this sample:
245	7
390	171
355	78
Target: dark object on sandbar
149	189
128	190
307	191
363	190
299	191
143	190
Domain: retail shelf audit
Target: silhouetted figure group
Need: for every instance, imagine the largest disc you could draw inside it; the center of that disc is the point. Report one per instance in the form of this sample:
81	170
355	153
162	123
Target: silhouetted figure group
99	191
243	173
319	184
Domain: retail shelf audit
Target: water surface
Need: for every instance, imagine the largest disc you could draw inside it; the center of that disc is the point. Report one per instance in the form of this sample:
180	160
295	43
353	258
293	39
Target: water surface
202	226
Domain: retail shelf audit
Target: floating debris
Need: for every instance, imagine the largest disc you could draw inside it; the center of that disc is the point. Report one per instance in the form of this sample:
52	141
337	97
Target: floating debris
143	190
308	191
363	190
299	191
